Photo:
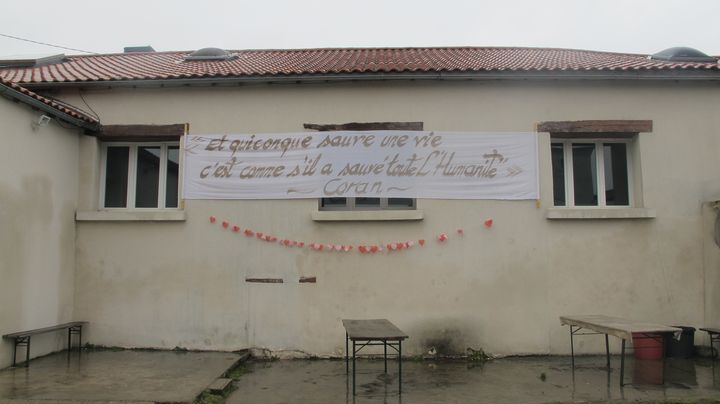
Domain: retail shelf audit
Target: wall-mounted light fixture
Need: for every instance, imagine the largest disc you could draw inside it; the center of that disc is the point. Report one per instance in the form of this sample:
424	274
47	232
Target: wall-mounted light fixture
41	122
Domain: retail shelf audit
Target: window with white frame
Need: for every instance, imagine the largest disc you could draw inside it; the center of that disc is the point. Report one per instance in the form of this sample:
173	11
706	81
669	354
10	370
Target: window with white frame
592	172
367	203
140	175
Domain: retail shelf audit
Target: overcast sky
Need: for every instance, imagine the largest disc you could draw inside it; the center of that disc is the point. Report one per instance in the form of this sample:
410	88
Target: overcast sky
636	26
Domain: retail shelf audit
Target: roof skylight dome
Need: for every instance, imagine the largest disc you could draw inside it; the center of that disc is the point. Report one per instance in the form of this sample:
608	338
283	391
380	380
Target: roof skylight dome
683	54
211	54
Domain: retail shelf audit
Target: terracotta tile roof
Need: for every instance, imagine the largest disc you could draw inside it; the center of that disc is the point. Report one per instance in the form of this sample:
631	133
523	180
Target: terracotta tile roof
171	65
59	106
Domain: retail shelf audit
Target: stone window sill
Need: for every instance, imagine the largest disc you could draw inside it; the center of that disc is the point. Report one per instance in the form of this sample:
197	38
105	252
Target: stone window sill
131	216
599	213
366	215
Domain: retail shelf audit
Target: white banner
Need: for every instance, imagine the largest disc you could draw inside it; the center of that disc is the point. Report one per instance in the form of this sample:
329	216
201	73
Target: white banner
397	164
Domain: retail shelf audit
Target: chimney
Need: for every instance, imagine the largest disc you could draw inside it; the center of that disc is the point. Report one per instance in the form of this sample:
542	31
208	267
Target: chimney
135	49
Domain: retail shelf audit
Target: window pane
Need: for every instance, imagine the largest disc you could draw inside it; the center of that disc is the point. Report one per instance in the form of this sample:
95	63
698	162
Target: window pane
616	174
333	202
584	174
367	202
116	177
558	168
171	181
148	177
405	203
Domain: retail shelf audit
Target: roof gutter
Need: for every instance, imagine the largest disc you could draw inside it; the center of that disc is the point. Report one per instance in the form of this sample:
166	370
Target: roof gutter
11	93
430	76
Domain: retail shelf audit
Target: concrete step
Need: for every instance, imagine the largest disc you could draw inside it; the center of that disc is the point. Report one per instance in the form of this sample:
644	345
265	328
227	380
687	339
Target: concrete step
219	386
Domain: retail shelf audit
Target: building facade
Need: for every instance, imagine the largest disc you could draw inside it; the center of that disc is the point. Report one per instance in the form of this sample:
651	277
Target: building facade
625	224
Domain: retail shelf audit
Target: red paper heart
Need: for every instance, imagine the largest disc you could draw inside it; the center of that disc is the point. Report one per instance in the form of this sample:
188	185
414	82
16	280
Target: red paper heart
212	219
225	224
461	232
442	237
259	235
236	228
362	249
249	232
421	242
301	244
374	248
488	223
286	242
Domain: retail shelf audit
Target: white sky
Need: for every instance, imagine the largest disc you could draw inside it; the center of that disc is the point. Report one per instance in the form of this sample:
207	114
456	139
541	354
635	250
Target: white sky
636	26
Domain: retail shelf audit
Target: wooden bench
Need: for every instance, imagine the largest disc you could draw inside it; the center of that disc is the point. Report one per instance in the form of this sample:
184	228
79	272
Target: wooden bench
22	338
714	337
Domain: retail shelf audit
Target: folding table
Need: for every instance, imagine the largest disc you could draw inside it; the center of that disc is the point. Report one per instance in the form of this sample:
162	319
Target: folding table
369	333
618	327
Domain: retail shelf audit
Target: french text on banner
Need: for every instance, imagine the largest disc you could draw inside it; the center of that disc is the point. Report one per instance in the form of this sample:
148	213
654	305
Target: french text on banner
395	164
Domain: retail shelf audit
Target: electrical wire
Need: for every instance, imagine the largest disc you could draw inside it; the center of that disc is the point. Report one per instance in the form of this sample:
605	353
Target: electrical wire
97	116
46	44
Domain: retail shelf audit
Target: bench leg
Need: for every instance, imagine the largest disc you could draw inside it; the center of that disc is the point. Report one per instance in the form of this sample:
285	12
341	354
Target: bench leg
15	352
353	367
607	351
27	353
713	353
622	364
385	354
400	366
572	348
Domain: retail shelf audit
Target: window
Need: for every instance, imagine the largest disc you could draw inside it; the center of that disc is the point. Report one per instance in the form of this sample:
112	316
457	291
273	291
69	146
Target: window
591	172
140	175
359	204
366	203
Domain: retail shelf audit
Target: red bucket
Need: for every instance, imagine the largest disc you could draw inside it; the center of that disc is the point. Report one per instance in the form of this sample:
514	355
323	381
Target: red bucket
648	346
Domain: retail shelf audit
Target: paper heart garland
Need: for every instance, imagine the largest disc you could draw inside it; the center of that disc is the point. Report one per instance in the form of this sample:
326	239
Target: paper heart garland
389	247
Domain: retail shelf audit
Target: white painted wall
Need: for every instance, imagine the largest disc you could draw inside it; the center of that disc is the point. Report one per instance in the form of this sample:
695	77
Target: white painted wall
182	284
38	194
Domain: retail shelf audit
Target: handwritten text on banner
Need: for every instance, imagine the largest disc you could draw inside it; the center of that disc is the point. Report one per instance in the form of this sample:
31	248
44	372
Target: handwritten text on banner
399	164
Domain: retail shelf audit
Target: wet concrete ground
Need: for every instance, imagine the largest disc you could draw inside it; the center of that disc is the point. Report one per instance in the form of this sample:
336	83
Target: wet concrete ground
508	380
139	376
